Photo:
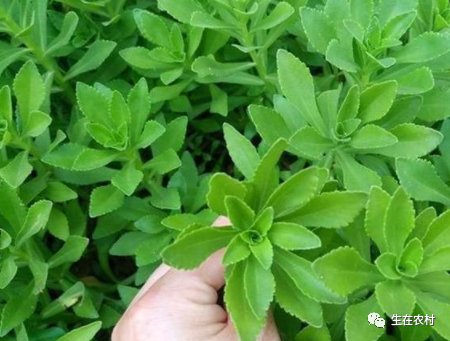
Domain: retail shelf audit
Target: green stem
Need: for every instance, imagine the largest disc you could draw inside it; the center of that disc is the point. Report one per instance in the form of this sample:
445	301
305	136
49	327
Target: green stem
258	59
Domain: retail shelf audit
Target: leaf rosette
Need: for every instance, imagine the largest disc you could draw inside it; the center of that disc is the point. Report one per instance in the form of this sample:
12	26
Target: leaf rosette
269	223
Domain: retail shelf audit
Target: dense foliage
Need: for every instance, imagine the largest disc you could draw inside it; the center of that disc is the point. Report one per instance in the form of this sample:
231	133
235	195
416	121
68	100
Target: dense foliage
320	128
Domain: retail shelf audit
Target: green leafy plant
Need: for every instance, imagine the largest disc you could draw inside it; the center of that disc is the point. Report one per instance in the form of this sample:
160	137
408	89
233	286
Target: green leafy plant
343	133
124	134
403	278
268	222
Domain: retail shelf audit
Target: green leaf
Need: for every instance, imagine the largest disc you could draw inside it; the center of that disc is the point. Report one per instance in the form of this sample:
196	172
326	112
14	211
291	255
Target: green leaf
152	131
92	59
329	210
17	310
263	223
438	309
58	225
377	100
387	265
309	143
119	112
423	221
40	274
29	89
239	213
247	324
93	104
362	11
36	124
282	12
415	82
266	174
423	48
318	28
173	137
343	270
204	20
220	186
269	123
438	234
301	272
180	10
397	26
434	107
259	285
208	66
342	57
438	260
399	221
139	57
150	250
35	221
263	252
291	116
290	236
413	252
71	251
128	243
295	79
58	192
413	141
85	333
356	176
164	198
295	192
298	304
105	199
8	271
388	10
219	100
6	110
372	136
164	163
242	152
199	244
395	298
237	251
313	334
153	28
356	326
128	179
5	239
139	104
67	30
17	170
421	181
11	207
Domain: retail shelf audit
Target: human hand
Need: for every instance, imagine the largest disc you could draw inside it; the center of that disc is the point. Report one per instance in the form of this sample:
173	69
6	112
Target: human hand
182	306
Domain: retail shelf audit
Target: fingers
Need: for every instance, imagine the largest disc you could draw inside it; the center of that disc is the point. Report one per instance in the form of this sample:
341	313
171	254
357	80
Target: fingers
159	272
210	271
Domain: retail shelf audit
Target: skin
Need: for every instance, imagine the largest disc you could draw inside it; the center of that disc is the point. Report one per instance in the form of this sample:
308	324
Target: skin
179	305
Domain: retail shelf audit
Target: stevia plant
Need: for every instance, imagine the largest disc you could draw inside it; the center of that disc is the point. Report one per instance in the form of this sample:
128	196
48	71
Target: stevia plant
363	40
36	36
33	203
118	130
406	275
185	64
269	221
343	132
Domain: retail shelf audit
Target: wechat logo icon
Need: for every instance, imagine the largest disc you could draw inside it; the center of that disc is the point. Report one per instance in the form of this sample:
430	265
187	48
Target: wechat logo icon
375	319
